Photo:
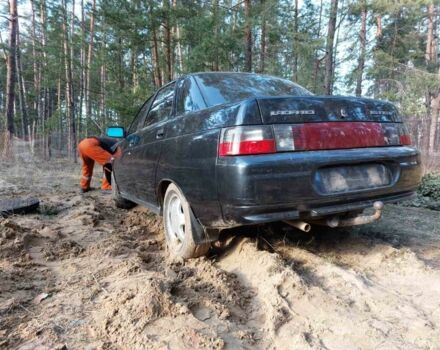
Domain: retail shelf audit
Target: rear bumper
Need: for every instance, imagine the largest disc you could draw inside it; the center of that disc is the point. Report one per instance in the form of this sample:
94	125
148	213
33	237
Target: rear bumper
261	214
265	188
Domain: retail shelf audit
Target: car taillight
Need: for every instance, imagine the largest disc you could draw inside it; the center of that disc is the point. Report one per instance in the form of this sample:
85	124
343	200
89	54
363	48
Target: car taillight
396	134
246	140
404	137
405	140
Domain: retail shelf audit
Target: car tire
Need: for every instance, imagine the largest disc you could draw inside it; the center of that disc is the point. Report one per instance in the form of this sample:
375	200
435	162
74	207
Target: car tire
181	226
120	202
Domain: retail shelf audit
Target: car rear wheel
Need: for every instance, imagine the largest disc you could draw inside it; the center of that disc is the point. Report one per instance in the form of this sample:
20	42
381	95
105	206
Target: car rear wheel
120	202
181	226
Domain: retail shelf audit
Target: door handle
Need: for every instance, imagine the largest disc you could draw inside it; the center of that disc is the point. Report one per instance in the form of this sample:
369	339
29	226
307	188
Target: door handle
160	133
133	140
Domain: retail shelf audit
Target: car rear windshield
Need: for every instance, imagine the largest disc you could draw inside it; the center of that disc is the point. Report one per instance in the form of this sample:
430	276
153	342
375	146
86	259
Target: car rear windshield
219	88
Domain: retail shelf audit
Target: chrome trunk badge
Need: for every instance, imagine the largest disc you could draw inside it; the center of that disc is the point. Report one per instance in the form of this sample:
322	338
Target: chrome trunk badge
294	112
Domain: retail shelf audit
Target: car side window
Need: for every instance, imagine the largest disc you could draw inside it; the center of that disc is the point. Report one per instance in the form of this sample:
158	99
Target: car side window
138	121
162	107
190	99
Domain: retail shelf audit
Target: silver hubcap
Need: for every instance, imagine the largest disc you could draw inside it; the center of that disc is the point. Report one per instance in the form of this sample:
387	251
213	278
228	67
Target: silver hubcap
175	220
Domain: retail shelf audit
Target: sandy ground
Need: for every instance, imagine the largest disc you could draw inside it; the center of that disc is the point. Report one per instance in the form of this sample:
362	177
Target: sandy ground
80	274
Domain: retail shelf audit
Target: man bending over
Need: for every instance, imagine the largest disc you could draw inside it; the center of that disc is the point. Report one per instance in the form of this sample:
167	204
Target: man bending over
100	150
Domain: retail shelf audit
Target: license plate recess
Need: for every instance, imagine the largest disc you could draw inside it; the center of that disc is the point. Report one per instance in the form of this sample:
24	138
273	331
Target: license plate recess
351	178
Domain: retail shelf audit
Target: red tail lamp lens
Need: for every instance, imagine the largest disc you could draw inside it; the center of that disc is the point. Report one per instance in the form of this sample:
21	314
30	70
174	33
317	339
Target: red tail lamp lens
405	140
246	140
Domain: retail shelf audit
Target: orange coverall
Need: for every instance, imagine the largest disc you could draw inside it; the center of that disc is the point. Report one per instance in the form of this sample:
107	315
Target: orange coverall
90	151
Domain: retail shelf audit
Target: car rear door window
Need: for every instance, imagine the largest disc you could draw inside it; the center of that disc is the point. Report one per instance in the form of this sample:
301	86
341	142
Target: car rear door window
162	107
190	99
138	122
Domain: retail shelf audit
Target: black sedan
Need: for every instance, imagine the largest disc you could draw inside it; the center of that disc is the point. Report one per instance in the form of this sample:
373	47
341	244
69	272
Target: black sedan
212	151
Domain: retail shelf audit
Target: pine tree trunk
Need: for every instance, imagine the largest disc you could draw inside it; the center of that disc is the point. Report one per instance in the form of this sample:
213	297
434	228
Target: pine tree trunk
247	37
232	30
263	38
328	77
156	67
435	111
179	49
72	57
72	33
120	65
11	77
51	105
83	73
378	26
46	143
5	61
317	61
42	93
46	117
103	77
178	44
432	98
215	15
71	141
102	100
31	133
60	121
363	44
21	87
430	51
167	27
88	67
295	43
162	49
35	60
132	70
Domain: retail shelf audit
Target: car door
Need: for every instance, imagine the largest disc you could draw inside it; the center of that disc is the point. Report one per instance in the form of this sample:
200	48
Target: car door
146	154
125	166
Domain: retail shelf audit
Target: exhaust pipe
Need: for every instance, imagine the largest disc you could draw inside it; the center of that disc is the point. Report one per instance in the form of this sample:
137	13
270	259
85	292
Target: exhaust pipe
300	225
358	220
335	221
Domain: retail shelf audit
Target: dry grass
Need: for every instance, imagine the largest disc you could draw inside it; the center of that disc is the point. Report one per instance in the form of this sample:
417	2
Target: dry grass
27	178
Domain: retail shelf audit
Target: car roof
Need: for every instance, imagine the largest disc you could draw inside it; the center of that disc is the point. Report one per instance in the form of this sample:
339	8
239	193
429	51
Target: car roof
225	73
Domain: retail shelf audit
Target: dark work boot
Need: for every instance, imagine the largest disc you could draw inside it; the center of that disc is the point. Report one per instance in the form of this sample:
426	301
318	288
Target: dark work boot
85	190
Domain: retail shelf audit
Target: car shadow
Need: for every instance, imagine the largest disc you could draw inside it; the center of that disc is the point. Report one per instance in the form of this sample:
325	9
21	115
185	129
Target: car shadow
401	228
270	236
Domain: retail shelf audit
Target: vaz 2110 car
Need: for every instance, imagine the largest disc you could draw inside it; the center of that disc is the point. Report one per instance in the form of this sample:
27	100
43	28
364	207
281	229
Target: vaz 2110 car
212	151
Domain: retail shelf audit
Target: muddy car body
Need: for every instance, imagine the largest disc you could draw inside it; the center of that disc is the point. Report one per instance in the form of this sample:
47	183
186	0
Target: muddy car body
211	151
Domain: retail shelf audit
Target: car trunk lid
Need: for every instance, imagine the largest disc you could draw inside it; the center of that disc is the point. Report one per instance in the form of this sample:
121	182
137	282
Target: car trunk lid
325	123
307	109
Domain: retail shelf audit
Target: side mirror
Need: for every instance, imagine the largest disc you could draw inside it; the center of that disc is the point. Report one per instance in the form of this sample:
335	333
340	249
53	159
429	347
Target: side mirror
115	131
